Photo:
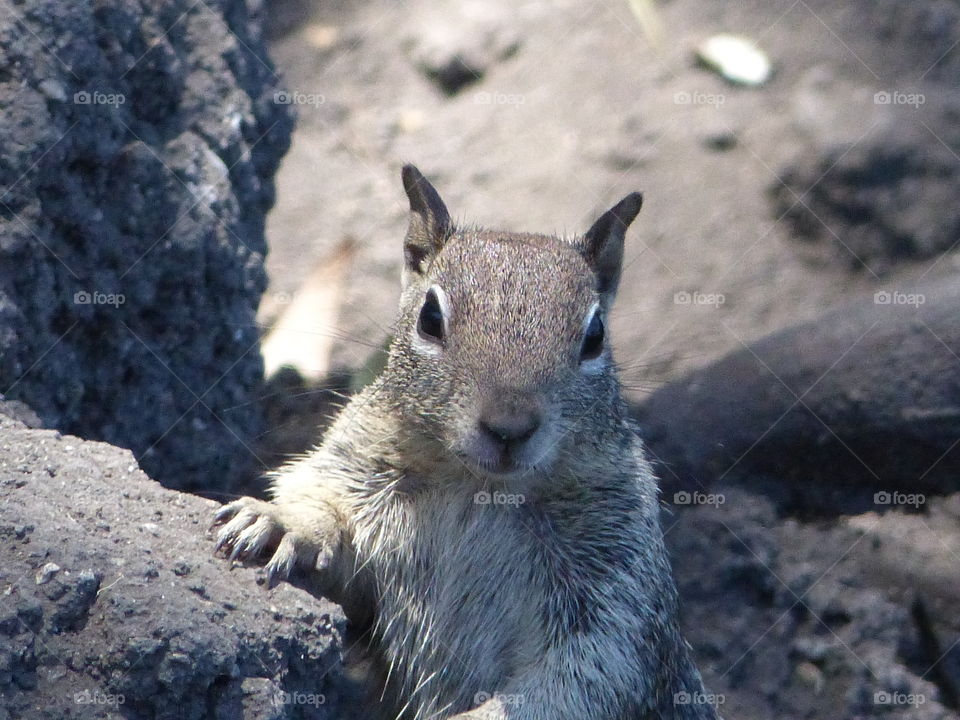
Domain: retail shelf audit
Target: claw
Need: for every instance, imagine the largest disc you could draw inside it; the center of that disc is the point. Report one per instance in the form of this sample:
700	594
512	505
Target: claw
253	537
282	562
324	559
272	579
236	552
224	541
246	528
223	514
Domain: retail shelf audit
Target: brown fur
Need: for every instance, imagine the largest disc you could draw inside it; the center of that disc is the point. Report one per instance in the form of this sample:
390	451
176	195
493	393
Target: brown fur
486	502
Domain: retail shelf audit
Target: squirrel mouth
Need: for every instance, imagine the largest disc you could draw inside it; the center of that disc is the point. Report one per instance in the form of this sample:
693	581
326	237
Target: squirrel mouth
497	459
498	456
504	466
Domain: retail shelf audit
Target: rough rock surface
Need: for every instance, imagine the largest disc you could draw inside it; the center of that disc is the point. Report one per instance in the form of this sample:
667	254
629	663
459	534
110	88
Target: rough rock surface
137	147
865	399
804	620
112	605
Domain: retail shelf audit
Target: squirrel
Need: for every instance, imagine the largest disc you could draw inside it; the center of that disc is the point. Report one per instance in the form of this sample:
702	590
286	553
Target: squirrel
485	503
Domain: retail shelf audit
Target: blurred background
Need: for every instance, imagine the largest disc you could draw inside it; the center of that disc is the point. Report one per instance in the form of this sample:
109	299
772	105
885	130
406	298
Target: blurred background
834	177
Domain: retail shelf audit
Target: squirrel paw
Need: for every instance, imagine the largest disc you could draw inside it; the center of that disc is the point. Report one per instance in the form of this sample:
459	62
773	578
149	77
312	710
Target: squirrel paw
248	528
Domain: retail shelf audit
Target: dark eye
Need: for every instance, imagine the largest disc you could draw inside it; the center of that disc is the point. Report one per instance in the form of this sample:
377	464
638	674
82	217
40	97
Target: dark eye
592	338
430	322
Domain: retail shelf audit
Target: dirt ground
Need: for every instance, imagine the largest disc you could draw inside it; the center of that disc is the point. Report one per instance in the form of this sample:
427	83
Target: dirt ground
582	110
556	111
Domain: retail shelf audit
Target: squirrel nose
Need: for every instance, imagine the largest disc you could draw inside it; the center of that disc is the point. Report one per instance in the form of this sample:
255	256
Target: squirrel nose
511	428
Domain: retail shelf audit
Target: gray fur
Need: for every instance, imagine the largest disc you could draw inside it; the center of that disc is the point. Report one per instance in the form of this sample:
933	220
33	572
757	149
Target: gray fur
559	607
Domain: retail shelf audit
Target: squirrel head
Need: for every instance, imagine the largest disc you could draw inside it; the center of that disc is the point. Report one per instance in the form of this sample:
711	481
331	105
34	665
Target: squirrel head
501	354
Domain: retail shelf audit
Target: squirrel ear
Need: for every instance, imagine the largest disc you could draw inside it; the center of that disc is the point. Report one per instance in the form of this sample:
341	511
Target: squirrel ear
429	221
602	245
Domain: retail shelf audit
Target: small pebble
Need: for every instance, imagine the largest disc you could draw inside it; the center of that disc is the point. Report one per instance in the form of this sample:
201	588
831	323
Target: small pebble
321	37
411	120
53	90
737	59
720	140
810	675
46	573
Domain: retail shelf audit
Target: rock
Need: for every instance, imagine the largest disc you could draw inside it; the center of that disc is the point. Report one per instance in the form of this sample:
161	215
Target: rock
719	139
19	411
46	573
837	412
139	143
821	632
736	59
321	37
125	627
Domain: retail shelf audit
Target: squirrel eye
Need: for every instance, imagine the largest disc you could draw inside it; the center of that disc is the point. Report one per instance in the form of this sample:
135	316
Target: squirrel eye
430	322
592	338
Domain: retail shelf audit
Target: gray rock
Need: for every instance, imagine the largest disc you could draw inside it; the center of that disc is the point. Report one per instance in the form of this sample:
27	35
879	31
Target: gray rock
862	401
141	624
137	148
807	627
